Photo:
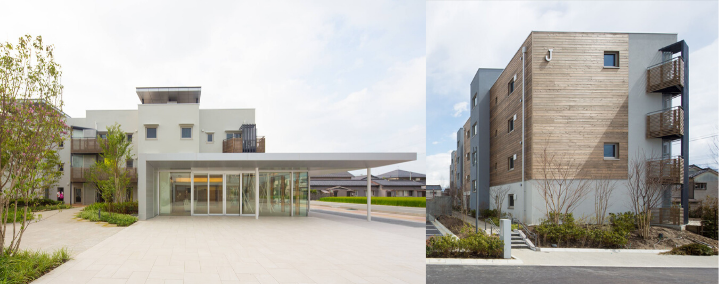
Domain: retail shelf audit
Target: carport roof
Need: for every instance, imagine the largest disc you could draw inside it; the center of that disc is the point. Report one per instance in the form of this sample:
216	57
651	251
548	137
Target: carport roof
315	163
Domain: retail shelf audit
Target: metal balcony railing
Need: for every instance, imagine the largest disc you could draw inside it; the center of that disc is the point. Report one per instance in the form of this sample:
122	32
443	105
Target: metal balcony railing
666	123
234	145
667	171
666	77
85	146
83	174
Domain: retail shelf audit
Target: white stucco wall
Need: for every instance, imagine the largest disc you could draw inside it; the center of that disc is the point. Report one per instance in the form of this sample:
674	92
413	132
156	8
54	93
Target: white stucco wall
168	118
219	121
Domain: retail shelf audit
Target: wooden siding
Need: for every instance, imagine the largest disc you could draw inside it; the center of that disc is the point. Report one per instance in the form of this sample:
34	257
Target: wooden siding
577	105
503	107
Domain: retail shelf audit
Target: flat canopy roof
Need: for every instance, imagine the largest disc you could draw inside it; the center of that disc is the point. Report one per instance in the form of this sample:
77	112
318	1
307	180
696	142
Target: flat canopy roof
315	163
161	95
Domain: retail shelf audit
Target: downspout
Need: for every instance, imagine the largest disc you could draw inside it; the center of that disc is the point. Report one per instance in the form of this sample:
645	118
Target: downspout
524	188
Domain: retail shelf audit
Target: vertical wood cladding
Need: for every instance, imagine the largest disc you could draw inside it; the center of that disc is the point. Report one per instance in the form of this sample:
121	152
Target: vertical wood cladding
573	105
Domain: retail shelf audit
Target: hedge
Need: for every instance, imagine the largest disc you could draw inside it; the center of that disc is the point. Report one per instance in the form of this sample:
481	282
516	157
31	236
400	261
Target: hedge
473	245
392	201
122	220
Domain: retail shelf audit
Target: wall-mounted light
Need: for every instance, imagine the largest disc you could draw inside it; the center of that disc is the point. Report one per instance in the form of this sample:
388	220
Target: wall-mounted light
549	57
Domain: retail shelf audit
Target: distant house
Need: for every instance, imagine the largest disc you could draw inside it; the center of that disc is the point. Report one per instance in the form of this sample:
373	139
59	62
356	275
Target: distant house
433	191
702	183
396	183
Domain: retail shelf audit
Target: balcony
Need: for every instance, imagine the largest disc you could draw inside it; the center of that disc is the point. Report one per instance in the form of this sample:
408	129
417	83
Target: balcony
666	77
234	145
85	146
667	123
83	174
668	171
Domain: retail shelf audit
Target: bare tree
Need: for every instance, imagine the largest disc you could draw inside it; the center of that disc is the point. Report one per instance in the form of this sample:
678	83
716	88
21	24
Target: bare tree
646	178
498	194
558	184
714	149
603	189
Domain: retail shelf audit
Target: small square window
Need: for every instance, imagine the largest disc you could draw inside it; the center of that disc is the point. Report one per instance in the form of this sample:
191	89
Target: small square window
129	137
61	167
151	133
611	151
495	133
510	125
474	100
511	200
210	137
510	87
129	163
495	166
467	156
186	132
611	59
495	101
62	144
510	162
102	135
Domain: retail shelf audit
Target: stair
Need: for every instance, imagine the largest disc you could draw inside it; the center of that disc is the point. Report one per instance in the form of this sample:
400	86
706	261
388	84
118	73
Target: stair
518	242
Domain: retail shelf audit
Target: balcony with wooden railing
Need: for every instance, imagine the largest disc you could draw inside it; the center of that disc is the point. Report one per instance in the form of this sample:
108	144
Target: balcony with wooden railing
667	123
667	171
85	145
83	174
234	145
666	77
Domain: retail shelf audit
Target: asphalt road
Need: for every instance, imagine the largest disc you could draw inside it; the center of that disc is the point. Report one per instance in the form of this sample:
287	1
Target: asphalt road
567	274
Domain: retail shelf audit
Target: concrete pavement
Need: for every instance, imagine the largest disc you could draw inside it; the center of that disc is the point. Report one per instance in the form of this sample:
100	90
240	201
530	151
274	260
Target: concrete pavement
413	214
321	248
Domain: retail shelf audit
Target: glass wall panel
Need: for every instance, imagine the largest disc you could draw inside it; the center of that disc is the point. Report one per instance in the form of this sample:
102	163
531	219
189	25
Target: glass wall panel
300	195
174	194
200	194
275	194
165	201
232	206
215	191
248	194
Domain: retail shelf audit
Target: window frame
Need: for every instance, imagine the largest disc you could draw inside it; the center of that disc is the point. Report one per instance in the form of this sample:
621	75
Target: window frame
474	129
474	101
510	201
510	87
510	125
210	137
510	163
147	128
616	151
129	137
182	129
616	59
697	187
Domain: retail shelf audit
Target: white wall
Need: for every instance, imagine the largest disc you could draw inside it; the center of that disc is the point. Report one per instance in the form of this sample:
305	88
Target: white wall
168	118
219	121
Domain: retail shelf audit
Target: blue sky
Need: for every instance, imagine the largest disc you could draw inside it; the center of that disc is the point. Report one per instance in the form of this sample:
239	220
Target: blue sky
323	76
463	36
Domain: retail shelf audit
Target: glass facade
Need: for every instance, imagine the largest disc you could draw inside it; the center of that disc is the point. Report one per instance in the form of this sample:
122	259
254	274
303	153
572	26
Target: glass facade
280	194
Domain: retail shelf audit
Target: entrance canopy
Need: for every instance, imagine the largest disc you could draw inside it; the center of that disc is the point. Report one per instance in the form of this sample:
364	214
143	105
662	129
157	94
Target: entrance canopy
314	163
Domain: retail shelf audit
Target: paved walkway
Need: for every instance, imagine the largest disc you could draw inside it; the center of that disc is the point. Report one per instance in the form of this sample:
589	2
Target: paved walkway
322	248
59	229
404	213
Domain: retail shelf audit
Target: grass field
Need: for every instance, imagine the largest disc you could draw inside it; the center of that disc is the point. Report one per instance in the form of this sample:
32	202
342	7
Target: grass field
391	201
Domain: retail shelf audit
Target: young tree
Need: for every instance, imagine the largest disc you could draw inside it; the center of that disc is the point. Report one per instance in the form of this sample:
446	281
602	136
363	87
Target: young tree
31	127
498	194
646	185
556	179
109	173
603	189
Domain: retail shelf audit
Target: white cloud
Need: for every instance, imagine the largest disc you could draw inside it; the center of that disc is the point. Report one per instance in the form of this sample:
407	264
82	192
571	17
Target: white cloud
453	136
435	143
460	108
438	169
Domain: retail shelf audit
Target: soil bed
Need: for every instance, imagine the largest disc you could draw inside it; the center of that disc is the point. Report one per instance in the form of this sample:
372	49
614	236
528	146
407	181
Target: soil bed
671	239
454	224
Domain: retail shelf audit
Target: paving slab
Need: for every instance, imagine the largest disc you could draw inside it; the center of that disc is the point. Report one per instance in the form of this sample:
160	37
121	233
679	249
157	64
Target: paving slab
322	248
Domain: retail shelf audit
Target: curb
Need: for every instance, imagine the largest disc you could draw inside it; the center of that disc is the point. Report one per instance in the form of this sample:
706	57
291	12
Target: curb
473	261
655	251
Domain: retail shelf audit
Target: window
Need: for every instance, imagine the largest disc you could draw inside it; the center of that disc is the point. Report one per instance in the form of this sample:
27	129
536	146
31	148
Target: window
210	137
700	185
187	133
474	185
129	137
467	156
474	100
611	151
510	125
510	162
103	135
467	133
474	129
495	101
62	144
151	133
495	166
46	194
129	163
495	133
510	87
231	135
511	200
474	158
611	59
61	167
467	177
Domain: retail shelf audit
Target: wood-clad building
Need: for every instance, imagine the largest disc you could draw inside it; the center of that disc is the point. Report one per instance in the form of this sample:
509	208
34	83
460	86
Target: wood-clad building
588	102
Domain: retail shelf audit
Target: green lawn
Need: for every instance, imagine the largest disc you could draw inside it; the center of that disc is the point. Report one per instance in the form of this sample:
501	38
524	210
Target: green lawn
26	266
392	201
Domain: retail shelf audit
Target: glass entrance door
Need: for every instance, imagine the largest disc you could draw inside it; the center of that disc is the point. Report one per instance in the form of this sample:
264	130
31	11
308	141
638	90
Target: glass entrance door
215	194
232	203
199	194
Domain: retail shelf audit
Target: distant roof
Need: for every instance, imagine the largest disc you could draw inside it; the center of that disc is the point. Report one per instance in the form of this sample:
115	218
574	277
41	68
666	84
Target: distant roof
701	171
333	175
364	177
398	182
339	183
433	187
401	173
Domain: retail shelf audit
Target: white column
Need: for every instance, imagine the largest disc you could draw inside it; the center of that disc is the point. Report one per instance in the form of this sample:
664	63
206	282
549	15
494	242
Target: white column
369	194
257	193
505	227
292	193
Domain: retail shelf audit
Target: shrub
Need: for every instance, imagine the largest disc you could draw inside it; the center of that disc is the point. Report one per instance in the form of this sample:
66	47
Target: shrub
709	217
12	218
489	213
623	222
122	220
392	201
472	245
36	202
692	249
569	233
26	266
128	207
